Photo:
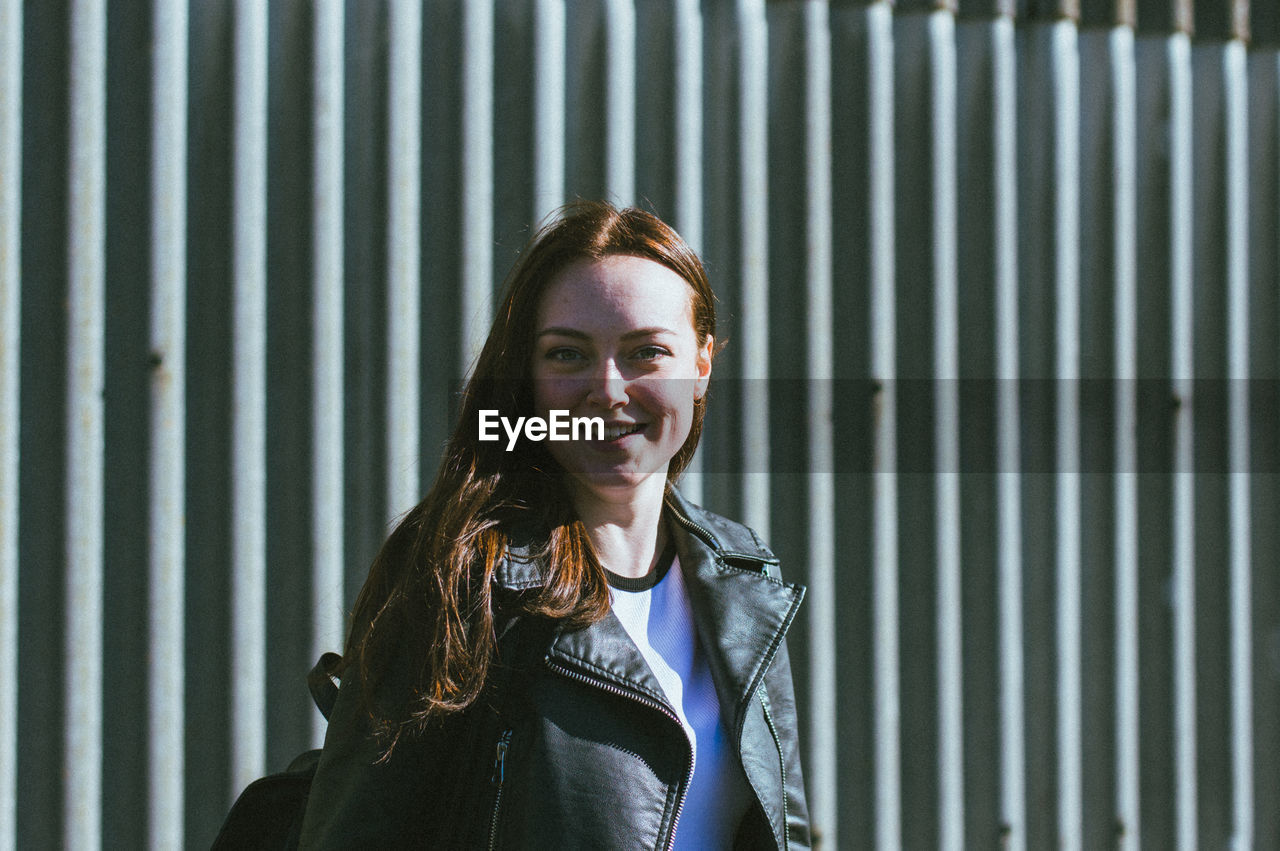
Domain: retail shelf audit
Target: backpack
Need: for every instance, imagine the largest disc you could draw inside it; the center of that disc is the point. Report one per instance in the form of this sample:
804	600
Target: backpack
268	813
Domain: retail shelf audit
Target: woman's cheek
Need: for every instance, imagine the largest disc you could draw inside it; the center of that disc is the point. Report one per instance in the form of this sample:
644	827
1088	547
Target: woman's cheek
553	394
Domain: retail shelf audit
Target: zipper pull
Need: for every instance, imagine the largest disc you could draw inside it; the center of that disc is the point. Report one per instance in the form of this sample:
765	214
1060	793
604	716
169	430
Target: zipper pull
500	759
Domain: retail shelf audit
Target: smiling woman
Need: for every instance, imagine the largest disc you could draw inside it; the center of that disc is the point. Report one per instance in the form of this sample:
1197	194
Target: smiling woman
554	648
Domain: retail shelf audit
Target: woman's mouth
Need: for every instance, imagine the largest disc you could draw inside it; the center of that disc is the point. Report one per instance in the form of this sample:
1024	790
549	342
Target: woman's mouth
617	432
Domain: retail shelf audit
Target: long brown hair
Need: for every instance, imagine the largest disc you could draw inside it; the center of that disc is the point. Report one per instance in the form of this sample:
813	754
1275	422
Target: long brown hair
428	602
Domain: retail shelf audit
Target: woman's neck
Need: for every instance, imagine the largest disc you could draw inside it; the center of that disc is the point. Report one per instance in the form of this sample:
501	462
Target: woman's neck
628	534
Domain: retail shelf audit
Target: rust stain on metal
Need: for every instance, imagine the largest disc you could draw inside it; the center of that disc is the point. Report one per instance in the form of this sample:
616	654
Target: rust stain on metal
1184	16
909	6
1240	20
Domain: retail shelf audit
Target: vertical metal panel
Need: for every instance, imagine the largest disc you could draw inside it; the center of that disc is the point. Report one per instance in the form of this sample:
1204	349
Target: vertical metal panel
549	106
1163	199
752	137
86	306
327	336
1236	175
290	332
1108	13
1013	796
1225	20
1264	27
1125	272
927	364
587	94
1220	411
167	525
209	492
477	177
1066	168
10	327
687	39
865	433
888	701
249	402
946	400
1182	371
1102	359
1049	345
445	232
990	537
620	101
516	102
404	189
1264	270
688	120
1166	16
821	753
979	335
1211	428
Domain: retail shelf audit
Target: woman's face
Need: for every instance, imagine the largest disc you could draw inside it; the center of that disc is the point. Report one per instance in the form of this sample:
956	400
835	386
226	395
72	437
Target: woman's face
615	340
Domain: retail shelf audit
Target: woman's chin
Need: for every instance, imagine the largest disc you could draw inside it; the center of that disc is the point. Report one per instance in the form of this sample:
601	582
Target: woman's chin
614	483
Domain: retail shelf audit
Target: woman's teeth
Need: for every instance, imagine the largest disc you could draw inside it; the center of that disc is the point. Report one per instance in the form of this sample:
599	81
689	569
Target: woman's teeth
615	432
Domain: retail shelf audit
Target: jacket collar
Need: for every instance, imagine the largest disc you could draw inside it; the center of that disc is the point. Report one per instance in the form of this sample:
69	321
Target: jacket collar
741	610
518	569
734	543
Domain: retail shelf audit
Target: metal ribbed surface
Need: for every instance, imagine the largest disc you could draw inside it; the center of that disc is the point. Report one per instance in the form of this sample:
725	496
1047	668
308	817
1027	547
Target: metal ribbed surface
10	331
1001	297
167	515
248	601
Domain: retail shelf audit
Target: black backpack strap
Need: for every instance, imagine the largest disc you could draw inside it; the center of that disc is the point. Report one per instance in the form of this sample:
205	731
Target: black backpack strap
268	813
323	682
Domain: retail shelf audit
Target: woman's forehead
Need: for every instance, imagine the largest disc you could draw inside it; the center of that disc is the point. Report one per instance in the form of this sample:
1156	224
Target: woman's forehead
618	287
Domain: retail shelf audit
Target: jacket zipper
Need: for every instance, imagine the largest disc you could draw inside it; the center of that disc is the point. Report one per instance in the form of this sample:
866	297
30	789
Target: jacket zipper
499	775
782	762
705	534
653	704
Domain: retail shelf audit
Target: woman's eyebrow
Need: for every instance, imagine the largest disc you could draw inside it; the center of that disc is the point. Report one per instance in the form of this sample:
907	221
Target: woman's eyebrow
560	331
655	331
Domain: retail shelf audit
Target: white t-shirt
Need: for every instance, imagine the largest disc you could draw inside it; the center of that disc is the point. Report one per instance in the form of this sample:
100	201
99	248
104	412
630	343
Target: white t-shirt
659	620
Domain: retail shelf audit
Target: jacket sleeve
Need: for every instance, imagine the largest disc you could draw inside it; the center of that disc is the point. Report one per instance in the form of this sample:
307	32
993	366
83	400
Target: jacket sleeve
782	707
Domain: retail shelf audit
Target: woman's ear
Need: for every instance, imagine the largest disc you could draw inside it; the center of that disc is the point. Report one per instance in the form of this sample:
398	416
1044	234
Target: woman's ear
703	368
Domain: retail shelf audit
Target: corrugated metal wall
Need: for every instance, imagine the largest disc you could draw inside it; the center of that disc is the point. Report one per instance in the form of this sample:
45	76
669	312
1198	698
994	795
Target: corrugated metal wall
1003	383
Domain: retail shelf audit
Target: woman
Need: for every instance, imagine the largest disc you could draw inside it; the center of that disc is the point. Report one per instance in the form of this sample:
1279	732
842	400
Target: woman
554	648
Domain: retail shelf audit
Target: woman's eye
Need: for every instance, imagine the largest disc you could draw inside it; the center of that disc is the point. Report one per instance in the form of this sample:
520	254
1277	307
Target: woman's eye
651	352
562	355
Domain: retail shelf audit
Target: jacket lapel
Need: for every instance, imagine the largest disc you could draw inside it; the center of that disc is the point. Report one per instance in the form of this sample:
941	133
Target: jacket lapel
741	612
605	651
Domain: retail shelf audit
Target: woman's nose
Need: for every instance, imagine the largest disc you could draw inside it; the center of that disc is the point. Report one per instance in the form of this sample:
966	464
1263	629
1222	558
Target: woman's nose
608	385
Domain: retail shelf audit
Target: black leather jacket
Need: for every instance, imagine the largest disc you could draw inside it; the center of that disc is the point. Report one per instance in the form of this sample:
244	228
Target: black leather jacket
590	755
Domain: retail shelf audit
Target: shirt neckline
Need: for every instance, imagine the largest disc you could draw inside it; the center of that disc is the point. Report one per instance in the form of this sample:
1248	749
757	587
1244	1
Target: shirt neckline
650	579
